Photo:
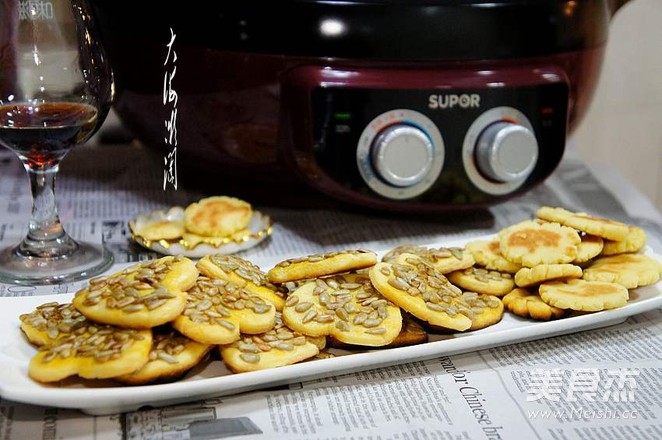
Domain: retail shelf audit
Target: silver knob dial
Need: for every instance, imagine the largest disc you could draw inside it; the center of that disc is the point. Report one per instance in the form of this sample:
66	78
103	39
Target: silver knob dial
506	152
402	155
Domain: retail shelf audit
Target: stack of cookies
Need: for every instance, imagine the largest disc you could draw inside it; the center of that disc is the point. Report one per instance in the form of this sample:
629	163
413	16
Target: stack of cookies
154	321
564	261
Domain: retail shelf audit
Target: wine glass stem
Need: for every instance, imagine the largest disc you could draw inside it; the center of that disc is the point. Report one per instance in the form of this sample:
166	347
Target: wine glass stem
46	237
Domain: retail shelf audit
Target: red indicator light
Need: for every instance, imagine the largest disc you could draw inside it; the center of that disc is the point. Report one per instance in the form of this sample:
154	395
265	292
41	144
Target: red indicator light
547	111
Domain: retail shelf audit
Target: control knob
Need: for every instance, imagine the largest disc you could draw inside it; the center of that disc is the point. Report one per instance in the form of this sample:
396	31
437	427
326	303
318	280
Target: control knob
402	155
506	152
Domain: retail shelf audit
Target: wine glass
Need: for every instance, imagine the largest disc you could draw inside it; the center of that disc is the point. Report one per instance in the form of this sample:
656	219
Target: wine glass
55	91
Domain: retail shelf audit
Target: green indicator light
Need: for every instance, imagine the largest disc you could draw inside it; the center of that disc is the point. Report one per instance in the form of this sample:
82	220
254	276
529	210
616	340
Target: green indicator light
342	116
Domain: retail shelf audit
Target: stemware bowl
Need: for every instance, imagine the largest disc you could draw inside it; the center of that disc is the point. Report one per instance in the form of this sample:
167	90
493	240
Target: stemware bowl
55	91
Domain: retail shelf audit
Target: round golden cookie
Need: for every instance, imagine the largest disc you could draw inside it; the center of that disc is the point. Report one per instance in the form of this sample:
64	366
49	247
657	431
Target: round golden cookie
275	348
634	242
420	289
589	248
488	282
412	333
48	321
602	227
217	216
142	296
315	266
95	351
488	255
241	273
523	303
628	270
161	230
582	295
527	277
171	356
443	259
346	307
530	243
486	310
217	312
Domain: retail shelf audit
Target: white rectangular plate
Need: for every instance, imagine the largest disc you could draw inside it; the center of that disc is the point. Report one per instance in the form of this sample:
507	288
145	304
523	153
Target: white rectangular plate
213	379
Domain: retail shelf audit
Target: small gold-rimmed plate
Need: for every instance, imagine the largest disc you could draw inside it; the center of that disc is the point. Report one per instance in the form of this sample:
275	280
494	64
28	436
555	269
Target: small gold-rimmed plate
197	246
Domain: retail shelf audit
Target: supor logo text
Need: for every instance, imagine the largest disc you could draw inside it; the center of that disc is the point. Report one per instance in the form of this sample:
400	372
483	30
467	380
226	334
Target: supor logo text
449	101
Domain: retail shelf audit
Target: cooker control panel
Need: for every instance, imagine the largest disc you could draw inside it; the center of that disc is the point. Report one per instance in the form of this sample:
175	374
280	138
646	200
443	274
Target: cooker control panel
439	146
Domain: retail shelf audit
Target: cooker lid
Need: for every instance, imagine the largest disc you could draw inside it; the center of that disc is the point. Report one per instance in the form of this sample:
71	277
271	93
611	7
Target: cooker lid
373	29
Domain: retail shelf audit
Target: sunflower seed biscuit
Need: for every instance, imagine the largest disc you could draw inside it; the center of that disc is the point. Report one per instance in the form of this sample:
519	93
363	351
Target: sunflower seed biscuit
142	296
489	282
171	356
628	270
530	243
315	266
346	307
418	288
43	325
526	304
602	227
217	312
93	351
528	277
242	273
412	333
485	310
443	259
275	348
582	295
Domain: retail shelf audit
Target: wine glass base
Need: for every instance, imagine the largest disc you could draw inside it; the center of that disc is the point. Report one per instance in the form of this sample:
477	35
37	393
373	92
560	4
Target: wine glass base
87	261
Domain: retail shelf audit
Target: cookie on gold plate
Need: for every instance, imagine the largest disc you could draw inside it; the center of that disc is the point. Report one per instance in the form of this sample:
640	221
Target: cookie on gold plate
217	216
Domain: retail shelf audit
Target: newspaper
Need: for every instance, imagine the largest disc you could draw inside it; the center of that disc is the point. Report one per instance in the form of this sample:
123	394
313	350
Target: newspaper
489	394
